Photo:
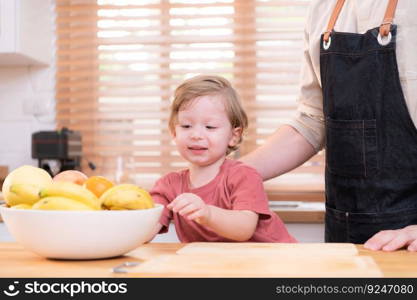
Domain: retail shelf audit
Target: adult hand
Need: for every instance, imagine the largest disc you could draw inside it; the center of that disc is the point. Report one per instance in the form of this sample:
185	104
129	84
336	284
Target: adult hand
391	240
191	206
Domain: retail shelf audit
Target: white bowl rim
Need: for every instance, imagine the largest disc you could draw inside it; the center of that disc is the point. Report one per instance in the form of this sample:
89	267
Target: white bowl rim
3	207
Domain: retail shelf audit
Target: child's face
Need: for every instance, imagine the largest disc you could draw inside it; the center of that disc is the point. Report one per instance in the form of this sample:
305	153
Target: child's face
203	132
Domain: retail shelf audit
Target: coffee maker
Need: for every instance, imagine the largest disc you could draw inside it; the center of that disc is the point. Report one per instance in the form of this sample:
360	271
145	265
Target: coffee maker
57	151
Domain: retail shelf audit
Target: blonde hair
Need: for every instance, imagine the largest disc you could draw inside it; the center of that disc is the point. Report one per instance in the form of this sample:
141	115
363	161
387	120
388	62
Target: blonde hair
203	85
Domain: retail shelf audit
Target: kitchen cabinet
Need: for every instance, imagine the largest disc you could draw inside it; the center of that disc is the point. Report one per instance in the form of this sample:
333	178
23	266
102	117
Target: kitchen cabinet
26	32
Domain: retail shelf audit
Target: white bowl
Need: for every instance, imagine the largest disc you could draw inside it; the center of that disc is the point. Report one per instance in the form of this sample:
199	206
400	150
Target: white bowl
81	234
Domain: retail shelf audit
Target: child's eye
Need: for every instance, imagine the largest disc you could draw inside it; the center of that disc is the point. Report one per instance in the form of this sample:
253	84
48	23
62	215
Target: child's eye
211	127
185	126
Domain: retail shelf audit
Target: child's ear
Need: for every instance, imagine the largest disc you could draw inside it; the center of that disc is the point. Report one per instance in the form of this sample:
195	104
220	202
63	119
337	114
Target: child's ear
236	135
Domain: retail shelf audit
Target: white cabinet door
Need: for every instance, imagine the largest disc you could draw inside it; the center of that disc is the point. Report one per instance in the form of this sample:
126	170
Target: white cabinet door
26	32
7	26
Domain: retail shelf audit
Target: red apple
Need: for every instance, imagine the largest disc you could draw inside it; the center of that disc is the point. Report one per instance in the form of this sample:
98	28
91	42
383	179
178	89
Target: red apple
71	176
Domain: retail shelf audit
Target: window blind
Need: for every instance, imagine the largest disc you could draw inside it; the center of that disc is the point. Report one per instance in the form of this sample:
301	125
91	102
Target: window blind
119	62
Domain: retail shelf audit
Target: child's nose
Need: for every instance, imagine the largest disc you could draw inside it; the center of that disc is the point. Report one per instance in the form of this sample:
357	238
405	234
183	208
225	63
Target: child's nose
196	133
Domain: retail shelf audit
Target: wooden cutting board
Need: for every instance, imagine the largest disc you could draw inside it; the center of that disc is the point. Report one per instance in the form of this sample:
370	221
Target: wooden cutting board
260	260
256	266
299	250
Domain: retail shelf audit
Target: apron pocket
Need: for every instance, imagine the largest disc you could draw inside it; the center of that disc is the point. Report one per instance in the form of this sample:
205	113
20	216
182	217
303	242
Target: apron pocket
351	147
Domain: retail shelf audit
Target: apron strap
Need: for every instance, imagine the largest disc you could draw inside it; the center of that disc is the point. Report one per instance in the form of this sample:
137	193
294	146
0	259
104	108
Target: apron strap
384	29
333	19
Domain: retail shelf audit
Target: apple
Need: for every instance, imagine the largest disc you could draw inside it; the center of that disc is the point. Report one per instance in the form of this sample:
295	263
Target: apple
73	176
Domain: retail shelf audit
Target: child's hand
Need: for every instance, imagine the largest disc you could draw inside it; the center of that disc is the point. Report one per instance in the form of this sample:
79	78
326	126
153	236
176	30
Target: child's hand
192	207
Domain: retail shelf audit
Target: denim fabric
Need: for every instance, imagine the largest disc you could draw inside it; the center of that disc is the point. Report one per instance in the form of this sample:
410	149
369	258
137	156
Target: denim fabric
371	141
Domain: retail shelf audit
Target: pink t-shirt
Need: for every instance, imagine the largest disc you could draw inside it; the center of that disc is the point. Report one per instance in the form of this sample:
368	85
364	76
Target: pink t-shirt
236	187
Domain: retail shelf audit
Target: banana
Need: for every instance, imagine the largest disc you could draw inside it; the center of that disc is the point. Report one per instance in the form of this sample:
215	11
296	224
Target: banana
60	203
72	191
20	193
22	206
126	196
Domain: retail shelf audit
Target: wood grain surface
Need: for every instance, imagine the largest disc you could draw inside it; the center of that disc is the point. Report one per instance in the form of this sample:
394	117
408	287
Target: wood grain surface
274	249
17	262
251	265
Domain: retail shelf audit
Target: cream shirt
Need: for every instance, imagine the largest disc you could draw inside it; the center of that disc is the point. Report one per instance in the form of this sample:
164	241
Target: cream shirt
356	16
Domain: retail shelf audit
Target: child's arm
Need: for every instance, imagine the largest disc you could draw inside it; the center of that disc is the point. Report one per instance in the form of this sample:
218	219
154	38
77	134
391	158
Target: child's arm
238	225
161	193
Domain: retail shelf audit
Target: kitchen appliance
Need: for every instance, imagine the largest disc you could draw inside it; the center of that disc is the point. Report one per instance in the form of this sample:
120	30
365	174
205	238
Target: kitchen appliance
57	151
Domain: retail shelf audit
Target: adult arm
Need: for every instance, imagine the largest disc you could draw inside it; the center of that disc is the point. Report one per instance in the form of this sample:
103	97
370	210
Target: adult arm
285	150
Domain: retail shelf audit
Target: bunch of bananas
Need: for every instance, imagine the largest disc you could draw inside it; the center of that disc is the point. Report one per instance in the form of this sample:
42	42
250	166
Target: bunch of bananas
54	196
63	195
71	196
126	196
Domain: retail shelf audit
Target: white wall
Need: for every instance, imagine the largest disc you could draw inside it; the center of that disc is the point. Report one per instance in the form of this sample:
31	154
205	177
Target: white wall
27	104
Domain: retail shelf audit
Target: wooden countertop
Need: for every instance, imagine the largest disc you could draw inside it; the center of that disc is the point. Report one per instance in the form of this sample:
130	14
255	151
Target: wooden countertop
17	262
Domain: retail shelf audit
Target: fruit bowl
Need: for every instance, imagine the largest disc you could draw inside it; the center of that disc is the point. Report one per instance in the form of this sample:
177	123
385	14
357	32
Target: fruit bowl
81	234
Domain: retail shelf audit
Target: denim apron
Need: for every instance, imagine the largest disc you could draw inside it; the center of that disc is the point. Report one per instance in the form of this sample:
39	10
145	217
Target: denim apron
371	141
